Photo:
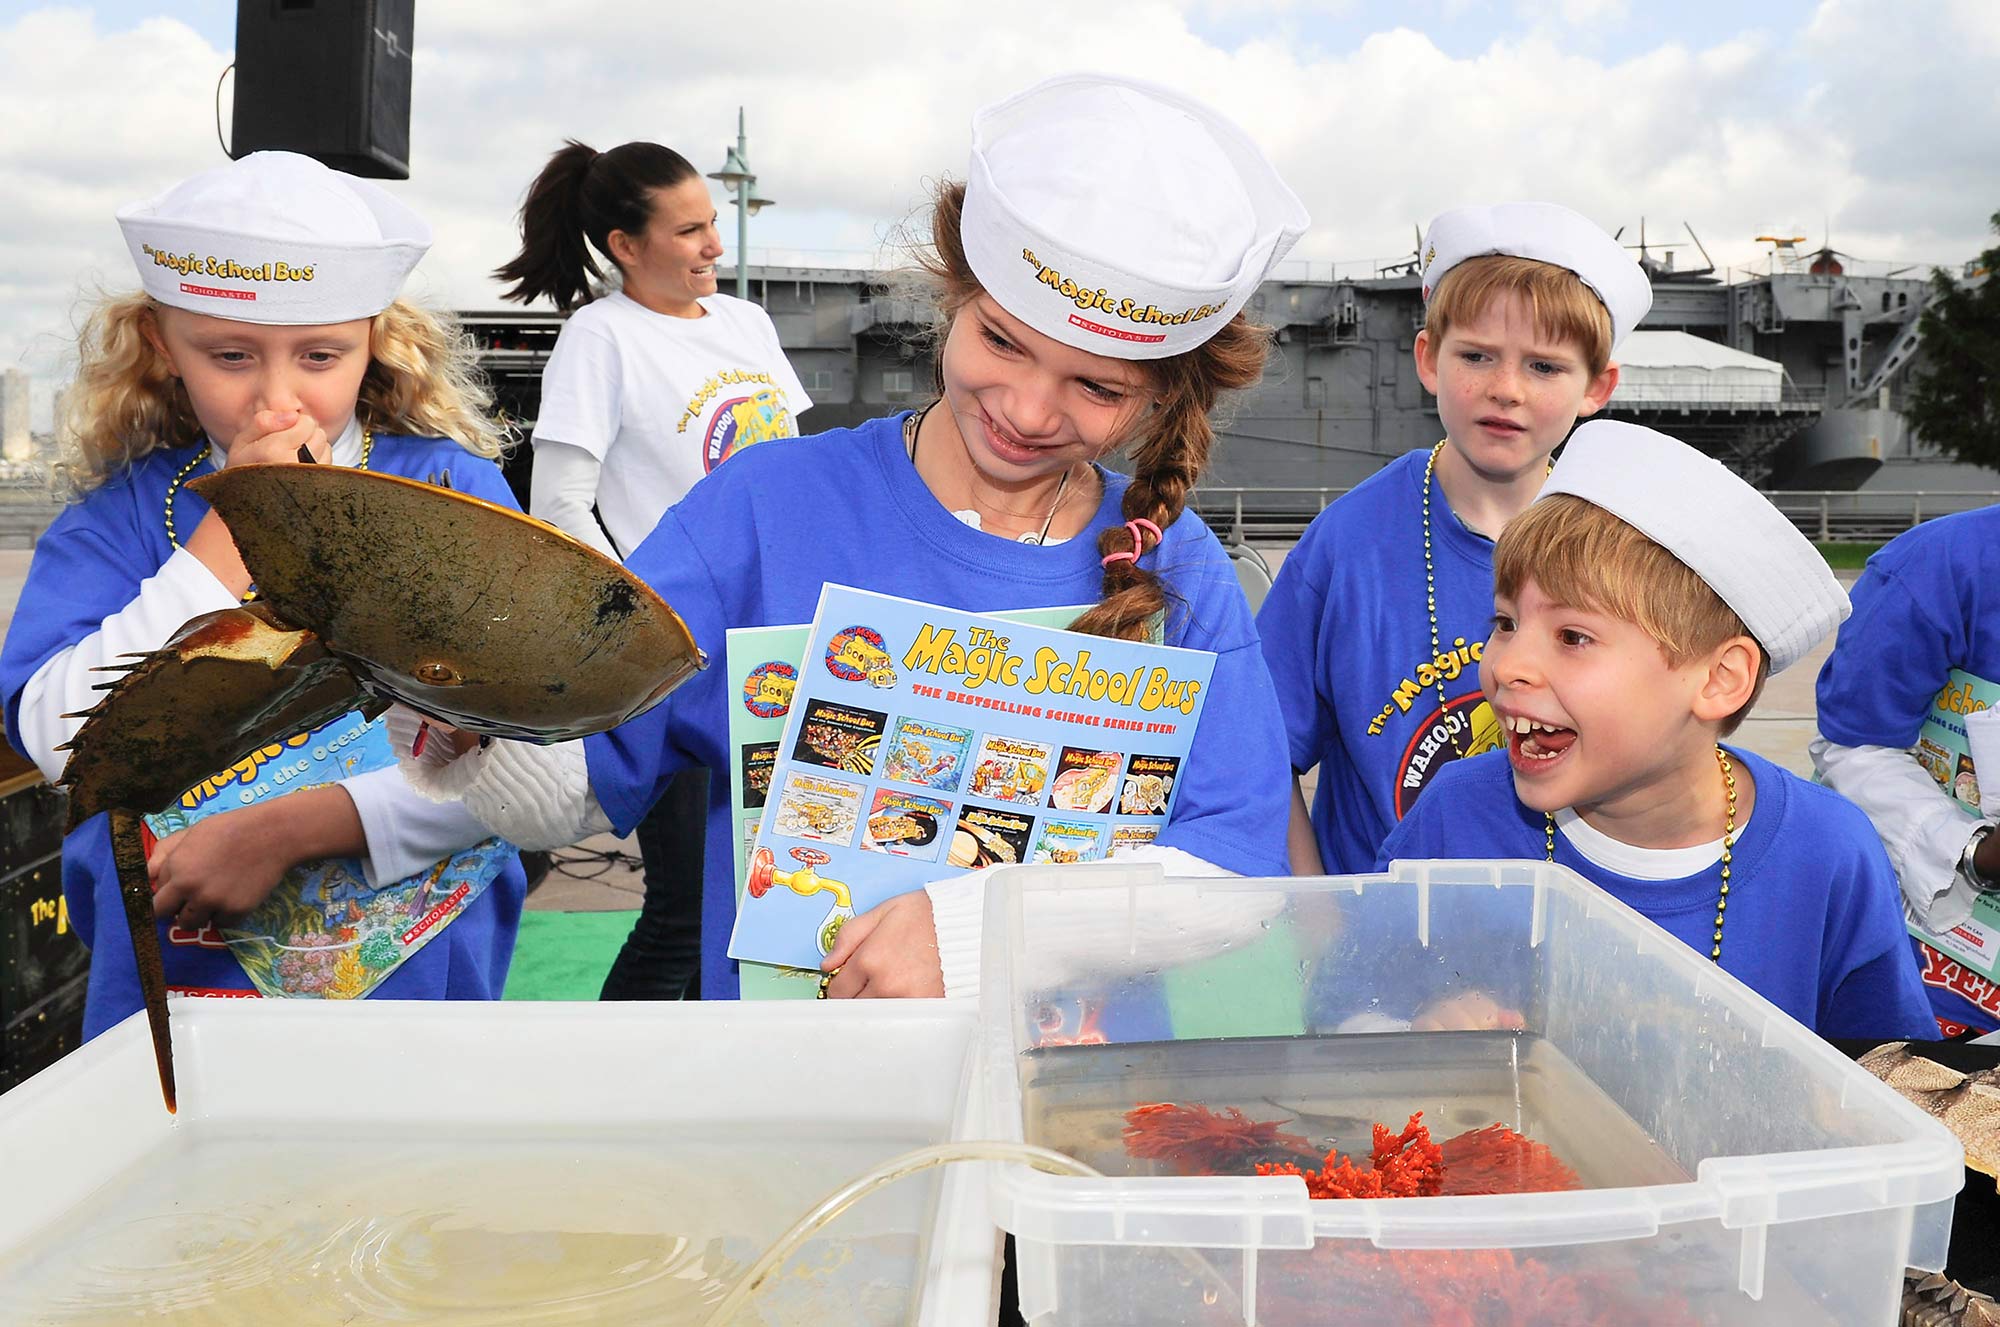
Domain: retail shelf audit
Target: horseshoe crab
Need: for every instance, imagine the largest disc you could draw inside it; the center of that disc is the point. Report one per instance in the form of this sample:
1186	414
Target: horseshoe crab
371	588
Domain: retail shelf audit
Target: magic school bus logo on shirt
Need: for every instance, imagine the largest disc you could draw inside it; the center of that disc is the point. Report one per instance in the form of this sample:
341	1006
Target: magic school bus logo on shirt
1464	725
732	421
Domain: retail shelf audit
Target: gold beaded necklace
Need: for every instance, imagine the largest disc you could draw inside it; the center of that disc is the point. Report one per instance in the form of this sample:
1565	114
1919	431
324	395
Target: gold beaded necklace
1431	592
180	475
1728	843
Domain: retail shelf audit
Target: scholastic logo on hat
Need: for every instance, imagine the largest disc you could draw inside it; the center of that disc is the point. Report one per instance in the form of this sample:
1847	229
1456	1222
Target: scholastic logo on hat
217	292
228	269
1097	299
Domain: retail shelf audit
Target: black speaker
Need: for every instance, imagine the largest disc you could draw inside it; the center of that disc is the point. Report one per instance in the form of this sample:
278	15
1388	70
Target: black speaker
327	78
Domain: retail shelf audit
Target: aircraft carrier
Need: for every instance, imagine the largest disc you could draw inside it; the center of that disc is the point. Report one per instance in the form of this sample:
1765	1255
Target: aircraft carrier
1793	374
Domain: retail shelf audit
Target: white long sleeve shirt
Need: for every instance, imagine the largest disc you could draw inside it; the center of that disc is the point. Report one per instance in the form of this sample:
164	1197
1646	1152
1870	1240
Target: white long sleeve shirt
1923	829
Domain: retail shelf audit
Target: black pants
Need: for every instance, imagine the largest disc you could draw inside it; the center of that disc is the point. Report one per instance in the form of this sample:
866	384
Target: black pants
661	959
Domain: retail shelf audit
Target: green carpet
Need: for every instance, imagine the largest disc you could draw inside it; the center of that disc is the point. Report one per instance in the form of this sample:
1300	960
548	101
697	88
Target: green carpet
564	955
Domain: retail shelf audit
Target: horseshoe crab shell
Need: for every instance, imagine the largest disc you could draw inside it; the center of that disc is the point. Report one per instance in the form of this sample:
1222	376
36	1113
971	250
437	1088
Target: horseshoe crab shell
473	614
223	685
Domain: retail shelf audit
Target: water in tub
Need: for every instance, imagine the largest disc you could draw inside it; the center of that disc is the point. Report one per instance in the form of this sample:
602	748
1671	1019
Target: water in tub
1333	1089
469	1233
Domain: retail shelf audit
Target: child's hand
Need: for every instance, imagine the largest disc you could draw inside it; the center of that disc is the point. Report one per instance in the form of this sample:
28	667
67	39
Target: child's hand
888	951
430	742
1468	1011
217	869
275	436
428	753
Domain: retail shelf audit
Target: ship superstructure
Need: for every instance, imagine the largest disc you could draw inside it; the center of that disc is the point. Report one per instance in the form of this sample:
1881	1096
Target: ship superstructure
1793	374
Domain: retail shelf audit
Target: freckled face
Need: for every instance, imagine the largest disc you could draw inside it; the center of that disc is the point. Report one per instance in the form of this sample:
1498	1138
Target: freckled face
1508	393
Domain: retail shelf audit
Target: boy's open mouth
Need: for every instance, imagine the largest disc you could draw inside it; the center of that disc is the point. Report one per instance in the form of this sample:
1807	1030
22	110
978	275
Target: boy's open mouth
1532	744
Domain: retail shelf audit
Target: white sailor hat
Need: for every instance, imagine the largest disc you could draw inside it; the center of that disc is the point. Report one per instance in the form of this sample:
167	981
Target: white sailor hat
1119	217
275	238
1547	233
1727	532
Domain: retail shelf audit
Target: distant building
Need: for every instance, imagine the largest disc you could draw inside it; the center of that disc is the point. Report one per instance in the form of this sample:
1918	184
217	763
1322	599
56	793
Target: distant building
15	443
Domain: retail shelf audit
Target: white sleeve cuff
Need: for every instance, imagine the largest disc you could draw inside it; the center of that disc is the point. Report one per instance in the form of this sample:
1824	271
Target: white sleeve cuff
1923	830
406	831
535	797
181	589
958	909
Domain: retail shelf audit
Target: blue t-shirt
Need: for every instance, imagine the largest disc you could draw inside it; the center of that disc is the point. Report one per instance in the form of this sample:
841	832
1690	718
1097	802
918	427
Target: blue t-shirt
752	543
1347	637
89	565
1928	602
1815	920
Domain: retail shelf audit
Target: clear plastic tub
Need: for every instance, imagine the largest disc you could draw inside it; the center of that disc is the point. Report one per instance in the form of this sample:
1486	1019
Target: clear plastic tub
502	1163
1736	1169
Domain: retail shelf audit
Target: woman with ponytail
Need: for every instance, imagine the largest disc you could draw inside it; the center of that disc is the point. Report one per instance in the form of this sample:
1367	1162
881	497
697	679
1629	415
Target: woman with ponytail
648	389
1090	275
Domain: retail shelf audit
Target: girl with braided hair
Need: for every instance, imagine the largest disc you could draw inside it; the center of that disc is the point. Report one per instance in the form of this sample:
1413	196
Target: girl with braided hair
1052	357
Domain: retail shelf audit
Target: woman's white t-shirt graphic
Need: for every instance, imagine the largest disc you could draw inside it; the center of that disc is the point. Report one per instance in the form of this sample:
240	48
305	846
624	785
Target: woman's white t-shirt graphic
660	401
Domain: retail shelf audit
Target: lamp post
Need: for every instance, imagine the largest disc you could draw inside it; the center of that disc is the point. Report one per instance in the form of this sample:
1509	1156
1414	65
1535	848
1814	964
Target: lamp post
742	185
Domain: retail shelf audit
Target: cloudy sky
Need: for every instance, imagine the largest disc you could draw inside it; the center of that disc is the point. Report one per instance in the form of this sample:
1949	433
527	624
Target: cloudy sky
1877	121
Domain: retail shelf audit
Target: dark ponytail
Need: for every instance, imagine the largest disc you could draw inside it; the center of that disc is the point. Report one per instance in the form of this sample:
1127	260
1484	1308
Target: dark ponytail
584	194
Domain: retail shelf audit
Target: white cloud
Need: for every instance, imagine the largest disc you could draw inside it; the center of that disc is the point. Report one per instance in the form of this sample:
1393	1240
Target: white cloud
70	155
854	109
1583	11
1913	92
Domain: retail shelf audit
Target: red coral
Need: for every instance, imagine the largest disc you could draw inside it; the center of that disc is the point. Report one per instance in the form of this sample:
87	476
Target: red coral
1495	1159
1404	1165
1198	1141
1406	1288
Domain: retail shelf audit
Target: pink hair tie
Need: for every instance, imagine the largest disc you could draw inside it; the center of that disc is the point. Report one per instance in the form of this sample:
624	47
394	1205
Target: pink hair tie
1138	541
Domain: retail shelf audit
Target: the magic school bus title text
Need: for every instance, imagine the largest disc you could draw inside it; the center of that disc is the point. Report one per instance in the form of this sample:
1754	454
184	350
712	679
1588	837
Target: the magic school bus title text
985	657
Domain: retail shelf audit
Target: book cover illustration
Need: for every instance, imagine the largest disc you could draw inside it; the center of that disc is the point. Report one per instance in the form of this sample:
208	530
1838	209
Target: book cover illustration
922	741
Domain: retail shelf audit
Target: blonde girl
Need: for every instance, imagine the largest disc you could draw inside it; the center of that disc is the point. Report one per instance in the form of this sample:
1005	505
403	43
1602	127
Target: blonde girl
268	329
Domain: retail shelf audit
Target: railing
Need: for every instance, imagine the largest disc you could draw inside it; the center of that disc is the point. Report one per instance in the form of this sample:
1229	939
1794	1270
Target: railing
1799	263
1870	516
26	508
883	259
1280	514
1636	389
1301	270
1260	515
889	257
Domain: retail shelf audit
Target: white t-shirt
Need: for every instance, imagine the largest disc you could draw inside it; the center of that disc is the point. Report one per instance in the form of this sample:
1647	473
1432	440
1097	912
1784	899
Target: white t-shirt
661	401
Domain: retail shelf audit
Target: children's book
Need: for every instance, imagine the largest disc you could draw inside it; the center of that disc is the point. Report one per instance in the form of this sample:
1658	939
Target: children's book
324	933
1944	749
918	757
924	741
